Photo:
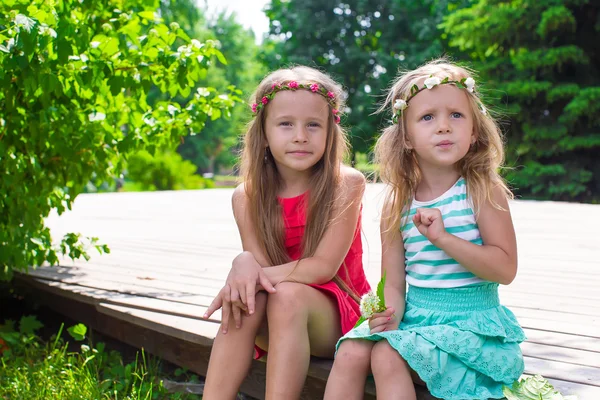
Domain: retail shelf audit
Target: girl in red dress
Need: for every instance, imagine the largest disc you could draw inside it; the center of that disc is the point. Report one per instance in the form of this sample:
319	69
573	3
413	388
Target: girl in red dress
294	290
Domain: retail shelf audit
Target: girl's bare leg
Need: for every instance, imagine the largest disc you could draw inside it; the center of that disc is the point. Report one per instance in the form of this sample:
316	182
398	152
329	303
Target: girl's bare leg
392	374
232	353
350	369
302	321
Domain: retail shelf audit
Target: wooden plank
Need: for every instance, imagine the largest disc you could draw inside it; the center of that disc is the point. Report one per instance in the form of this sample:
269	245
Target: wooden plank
562	354
562	340
558	326
188	329
97	296
567	318
564	371
549	302
132	285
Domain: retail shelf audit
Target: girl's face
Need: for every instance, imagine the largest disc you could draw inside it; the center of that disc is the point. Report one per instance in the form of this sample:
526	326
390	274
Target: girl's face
296	129
439	124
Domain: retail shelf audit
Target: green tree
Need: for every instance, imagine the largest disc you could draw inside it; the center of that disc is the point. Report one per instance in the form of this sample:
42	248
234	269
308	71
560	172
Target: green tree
362	43
75	78
542	60
216	146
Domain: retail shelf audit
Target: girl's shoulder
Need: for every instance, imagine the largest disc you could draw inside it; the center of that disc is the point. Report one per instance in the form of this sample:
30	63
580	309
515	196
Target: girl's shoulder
239	198
353	182
352	176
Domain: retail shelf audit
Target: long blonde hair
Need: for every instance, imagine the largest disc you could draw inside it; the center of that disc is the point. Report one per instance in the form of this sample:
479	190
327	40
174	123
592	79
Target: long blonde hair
262	180
398	164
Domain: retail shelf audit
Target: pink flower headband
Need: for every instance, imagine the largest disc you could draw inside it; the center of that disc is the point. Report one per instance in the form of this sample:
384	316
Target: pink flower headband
293	85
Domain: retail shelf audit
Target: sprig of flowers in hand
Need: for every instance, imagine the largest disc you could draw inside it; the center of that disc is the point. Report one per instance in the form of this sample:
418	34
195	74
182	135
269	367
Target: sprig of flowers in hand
372	303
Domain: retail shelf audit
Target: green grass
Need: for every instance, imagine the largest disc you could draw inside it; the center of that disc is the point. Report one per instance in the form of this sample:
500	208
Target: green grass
34	370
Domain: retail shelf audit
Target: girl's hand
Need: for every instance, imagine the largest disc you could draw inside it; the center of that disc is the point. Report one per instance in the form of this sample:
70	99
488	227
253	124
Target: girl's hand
384	321
430	224
245	279
222	300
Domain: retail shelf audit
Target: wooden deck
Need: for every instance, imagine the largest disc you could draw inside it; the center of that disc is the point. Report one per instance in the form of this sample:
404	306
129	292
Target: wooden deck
171	251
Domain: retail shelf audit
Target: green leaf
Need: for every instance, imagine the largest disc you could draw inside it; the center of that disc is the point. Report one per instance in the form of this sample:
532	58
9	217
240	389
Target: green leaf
149	15
381	292
78	331
221	57
29	324
533	388
360	321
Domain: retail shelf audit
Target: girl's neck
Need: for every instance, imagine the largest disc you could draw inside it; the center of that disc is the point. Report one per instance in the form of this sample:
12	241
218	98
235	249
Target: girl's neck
294	185
435	183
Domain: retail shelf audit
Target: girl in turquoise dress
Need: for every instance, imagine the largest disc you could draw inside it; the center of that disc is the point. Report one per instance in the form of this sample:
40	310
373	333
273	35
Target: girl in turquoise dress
447	232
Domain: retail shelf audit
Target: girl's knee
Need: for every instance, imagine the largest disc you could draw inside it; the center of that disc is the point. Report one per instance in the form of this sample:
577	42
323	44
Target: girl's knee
385	359
354	354
287	301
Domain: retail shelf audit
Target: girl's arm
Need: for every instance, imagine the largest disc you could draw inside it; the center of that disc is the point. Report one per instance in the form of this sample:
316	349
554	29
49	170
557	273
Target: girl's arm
247	275
392	265
336	241
496	259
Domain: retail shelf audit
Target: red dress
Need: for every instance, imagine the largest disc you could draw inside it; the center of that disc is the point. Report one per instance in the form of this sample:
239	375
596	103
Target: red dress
294	216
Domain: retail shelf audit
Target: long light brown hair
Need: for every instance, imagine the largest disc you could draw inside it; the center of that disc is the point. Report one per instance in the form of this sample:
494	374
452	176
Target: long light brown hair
263	182
398	164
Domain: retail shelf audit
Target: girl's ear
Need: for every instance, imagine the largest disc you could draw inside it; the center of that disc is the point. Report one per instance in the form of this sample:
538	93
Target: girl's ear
474	136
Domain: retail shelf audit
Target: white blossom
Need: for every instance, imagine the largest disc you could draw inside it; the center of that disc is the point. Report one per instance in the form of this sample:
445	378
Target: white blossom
400	104
369	305
46	30
431	82
24	21
196	44
470	84
96	116
172	109
9	45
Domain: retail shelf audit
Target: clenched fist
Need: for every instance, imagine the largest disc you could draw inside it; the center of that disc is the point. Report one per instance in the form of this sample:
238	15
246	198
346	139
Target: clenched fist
430	224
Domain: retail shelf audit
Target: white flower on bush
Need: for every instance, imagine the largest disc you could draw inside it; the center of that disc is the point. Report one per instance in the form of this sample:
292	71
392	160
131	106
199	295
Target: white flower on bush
46	30
431	82
470	84
9	46
25	22
96	116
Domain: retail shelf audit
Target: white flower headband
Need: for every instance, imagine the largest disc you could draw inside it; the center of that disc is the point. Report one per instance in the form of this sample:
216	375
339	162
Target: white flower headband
431	82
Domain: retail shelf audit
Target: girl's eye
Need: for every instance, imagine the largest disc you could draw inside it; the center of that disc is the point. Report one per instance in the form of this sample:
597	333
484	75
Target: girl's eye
314	125
456	115
285	123
427	117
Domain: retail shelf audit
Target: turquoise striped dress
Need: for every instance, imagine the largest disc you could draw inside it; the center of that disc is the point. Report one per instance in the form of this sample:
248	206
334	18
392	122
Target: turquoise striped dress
454	334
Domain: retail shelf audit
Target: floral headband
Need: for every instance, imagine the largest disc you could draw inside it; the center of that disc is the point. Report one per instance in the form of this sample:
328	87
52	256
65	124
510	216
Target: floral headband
431	82
293	85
